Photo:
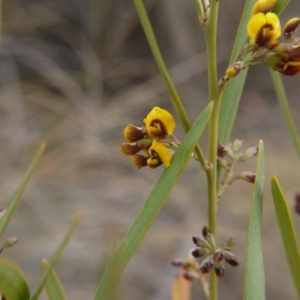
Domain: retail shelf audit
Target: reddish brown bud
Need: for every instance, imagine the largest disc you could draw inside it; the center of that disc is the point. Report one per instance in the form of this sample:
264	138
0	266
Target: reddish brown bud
230	258
200	242
198	252
130	149
297	203
133	133
139	160
205	268
205	232
224	151
290	28
188	276
220	271
218	256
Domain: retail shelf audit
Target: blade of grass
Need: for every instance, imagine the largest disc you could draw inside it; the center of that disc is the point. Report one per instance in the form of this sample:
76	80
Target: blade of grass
232	94
12	281
284	105
53	286
151	208
58	253
254	278
287	230
17	197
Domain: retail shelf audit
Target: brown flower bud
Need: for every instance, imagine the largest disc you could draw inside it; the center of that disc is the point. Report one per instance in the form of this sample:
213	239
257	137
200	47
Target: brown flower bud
290	28
139	160
206	265
133	133
219	270
224	151
230	258
198	252
200	242
209	237
130	148
297	203
218	256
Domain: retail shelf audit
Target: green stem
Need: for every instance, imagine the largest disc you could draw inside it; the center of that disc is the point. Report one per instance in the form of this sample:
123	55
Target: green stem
211	41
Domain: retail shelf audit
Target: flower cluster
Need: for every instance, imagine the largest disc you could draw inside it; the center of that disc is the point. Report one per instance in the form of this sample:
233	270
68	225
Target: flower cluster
264	47
214	257
229	158
153	143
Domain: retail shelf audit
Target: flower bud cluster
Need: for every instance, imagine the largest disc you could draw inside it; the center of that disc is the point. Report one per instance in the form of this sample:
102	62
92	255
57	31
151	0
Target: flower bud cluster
153	143
264	47
213	257
229	158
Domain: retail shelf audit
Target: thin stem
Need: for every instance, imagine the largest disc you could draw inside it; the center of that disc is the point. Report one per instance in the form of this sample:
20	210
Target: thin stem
211	37
211	42
285	108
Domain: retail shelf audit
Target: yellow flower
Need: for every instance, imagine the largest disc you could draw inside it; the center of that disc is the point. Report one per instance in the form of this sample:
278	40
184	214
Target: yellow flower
159	123
159	154
264	30
263	6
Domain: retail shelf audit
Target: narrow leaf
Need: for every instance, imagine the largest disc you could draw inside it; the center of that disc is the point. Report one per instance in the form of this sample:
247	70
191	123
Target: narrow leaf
53	286
254	279
151	208
58	253
17	197
233	92
12	281
287	230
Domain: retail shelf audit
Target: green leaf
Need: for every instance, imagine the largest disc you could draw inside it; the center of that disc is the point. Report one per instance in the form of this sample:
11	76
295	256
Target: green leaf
151	208
287	231
58	253
232	94
12	281
53	286
17	197
254	279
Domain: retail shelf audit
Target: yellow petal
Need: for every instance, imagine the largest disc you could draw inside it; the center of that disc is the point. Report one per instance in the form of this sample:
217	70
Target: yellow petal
264	29
161	152
159	122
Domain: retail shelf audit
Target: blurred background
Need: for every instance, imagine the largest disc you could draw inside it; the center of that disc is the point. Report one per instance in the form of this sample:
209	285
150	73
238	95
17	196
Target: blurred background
74	73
